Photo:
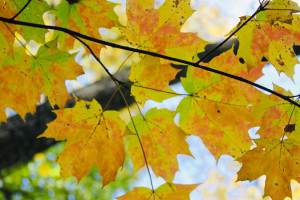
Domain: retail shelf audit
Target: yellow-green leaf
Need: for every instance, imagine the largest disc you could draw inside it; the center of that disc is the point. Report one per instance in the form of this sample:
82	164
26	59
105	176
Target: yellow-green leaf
220	111
36	74
151	79
85	16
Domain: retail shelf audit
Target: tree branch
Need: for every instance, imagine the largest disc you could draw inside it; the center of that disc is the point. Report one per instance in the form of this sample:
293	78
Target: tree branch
150	53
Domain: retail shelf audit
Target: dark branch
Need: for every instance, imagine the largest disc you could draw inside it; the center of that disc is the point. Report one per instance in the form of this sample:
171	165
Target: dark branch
209	69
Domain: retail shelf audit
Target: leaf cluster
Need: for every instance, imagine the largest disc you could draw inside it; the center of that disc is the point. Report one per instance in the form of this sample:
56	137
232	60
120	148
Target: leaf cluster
222	99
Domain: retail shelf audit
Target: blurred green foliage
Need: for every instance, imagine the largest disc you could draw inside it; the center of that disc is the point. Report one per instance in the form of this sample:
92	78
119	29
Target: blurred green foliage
40	179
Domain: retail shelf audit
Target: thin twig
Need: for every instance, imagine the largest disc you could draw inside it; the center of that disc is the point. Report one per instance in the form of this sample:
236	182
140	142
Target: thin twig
139	140
119	89
259	9
298	95
22	9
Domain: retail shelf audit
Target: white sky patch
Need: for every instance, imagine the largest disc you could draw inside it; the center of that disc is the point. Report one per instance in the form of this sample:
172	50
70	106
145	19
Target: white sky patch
221	183
193	170
253	133
272	77
171	103
213	19
143	180
9	112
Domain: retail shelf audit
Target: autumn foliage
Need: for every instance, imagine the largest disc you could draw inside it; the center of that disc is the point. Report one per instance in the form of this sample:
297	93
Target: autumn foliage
222	100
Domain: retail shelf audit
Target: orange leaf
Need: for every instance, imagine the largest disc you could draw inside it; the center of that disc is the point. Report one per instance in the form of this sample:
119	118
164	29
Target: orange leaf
278	160
94	136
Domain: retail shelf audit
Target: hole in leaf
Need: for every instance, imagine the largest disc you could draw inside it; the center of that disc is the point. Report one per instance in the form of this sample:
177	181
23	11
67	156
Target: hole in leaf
242	60
264	59
55	107
289	128
72	1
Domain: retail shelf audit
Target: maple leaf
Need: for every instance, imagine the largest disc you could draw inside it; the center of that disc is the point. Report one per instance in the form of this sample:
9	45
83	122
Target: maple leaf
32	13
84	16
36	75
217	109
94	136
6	41
278	160
233	64
164	192
159	29
7	9
272	35
279	10
150	73
161	139
275	120
16	91
220	111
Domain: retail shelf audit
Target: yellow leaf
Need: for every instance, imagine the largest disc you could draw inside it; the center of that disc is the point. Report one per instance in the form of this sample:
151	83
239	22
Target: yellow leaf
271	39
159	29
279	10
161	139
151	79
85	16
278	160
164	192
94	136
22	75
